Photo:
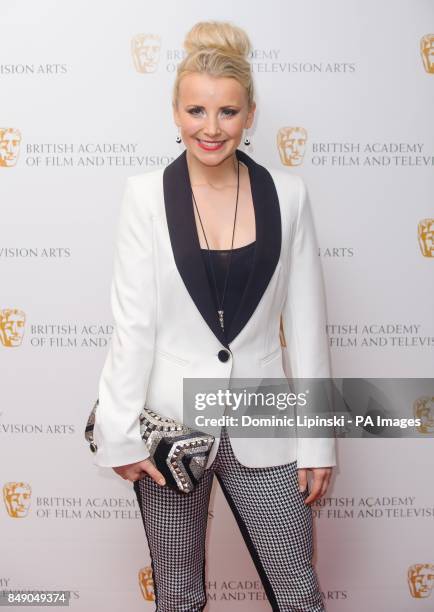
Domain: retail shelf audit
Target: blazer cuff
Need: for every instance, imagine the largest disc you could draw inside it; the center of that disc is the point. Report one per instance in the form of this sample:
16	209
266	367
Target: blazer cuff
118	456
316	452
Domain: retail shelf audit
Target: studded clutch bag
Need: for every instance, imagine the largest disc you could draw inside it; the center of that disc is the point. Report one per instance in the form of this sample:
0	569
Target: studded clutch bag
179	452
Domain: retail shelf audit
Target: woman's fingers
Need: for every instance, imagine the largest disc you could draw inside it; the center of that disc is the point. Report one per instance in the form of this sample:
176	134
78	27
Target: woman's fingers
148	467
315	487
302	479
135	471
319	484
326	482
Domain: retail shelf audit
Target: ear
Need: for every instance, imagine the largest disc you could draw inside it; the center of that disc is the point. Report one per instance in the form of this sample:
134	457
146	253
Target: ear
250	115
175	114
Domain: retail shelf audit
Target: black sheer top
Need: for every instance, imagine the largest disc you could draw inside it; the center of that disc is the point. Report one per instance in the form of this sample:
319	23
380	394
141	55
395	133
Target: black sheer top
242	259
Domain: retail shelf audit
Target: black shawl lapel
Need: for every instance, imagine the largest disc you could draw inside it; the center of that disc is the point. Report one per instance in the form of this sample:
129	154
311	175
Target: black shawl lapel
186	246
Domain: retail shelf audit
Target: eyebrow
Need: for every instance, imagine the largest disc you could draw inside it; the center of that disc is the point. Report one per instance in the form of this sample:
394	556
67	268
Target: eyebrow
201	106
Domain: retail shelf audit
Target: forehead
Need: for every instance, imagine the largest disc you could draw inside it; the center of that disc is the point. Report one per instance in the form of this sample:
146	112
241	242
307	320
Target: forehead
197	88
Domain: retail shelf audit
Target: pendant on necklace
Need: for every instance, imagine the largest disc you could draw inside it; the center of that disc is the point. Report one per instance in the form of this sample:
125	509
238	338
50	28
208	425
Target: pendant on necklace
221	319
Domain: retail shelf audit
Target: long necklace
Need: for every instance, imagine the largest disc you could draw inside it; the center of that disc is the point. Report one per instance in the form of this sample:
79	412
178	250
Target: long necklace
220	310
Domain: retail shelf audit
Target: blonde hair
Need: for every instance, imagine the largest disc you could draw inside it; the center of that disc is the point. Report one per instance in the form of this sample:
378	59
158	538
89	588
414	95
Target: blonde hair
220	49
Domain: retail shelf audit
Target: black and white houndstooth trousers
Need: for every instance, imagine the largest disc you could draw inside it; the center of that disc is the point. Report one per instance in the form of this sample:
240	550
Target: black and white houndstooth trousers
274	520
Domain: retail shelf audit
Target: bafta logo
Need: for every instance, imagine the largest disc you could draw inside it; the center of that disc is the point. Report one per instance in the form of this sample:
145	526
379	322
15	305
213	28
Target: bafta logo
17	496
10	139
291	142
12	322
423	409
420	579
425	233
427	52
145	49
147	583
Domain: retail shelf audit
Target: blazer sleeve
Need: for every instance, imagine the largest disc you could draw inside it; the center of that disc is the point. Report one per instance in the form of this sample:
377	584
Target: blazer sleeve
125	374
304	324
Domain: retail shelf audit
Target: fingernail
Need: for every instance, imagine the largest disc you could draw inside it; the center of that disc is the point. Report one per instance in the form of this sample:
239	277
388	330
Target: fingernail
301	489
161	481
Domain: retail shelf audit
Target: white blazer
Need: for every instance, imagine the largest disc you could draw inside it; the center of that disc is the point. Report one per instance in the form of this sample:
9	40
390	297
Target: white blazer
166	325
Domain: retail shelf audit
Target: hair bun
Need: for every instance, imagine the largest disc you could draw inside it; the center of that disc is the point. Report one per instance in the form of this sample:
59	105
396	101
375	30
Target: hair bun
221	35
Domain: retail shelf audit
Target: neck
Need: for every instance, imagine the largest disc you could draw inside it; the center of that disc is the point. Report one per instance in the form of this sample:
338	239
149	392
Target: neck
218	176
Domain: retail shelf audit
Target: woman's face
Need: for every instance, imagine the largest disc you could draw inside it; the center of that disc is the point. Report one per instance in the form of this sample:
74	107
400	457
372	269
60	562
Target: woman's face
212	113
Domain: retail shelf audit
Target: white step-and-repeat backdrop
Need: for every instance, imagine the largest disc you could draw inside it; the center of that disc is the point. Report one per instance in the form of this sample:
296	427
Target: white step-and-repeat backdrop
345	99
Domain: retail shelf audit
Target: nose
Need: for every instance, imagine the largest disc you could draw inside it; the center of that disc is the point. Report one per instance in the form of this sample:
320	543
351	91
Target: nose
212	127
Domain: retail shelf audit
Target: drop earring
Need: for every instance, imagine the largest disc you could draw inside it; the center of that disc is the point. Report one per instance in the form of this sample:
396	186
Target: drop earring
246	140
178	137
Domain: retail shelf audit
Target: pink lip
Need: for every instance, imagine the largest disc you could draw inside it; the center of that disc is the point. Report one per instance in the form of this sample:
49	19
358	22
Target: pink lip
213	148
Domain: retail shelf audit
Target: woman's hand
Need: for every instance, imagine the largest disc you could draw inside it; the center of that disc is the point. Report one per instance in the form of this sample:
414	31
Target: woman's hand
319	483
135	471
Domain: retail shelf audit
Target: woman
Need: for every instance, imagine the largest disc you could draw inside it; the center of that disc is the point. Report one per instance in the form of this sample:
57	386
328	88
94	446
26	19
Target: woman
179	313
